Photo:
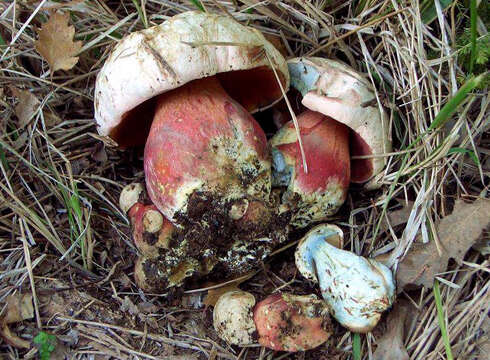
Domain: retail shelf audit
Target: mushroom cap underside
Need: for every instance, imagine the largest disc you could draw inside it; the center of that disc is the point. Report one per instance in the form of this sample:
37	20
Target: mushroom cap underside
186	47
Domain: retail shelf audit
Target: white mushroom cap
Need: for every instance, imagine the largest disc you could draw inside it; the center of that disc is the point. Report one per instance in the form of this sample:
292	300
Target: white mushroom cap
336	90
233	317
188	46
129	196
356	289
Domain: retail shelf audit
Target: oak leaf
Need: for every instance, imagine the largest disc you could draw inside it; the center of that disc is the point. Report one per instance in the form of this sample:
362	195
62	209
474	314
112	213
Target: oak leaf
55	43
456	232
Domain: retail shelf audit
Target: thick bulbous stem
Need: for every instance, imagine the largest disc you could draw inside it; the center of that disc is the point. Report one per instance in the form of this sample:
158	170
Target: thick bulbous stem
204	143
317	193
208	171
357	289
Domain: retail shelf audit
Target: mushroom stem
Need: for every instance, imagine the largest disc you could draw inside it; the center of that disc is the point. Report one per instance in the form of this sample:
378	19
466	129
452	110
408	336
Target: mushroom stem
208	170
202	140
357	289
319	193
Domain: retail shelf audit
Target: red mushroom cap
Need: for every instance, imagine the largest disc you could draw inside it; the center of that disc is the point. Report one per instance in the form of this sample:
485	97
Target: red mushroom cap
292	323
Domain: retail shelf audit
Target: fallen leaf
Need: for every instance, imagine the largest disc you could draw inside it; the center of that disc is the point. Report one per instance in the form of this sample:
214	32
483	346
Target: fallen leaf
397	217
390	344
56	44
214	294
13	340
27	106
457	233
98	153
276	40
483	246
19	307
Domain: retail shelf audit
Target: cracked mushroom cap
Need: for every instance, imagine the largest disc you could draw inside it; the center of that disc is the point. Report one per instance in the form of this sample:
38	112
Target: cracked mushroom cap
186	47
336	90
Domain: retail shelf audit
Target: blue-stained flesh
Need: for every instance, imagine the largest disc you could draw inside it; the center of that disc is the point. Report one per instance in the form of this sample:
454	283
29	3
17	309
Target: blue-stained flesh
303	77
281	171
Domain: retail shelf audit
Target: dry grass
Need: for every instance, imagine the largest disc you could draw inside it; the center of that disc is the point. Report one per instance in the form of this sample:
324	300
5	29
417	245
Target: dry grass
63	237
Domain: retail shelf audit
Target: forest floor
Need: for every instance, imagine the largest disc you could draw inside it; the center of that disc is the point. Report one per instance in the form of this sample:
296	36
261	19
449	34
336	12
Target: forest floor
66	254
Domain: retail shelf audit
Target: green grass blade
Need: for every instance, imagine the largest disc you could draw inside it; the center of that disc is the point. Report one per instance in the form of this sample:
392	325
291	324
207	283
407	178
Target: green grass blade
140	13
3	158
474	15
198	4
470	153
428	11
450	107
356	347
442	323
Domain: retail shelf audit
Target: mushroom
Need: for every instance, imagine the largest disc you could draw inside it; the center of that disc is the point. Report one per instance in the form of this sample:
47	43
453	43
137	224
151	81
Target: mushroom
151	230
357	289
287	322
318	193
186	89
233	317
338	91
130	195
337	99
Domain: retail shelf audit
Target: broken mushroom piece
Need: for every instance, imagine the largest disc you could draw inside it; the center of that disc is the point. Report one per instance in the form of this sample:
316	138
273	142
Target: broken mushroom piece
233	317
287	322
186	88
314	195
337	91
357	289
130	195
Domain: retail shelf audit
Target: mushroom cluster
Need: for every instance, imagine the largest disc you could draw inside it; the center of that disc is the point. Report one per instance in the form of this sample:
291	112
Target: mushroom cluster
219	195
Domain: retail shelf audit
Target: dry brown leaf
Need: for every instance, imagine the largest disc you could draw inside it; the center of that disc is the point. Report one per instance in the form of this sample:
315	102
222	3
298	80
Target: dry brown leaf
11	339
214	294
19	308
457	233
278	44
56	44
26	107
390	344
397	217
